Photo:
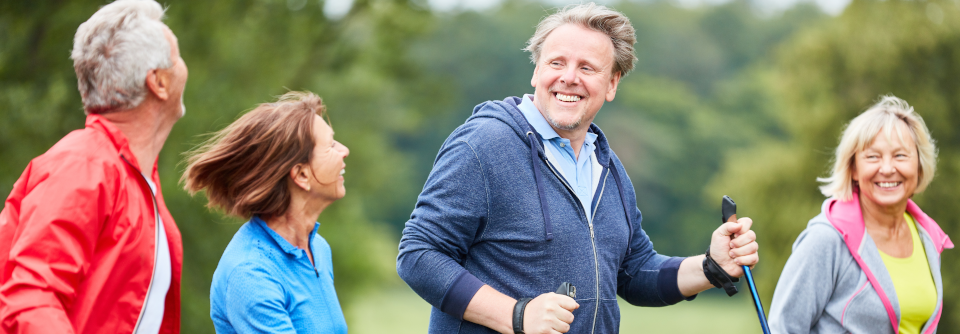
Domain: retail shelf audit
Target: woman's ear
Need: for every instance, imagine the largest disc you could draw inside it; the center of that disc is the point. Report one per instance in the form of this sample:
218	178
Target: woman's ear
300	176
853	170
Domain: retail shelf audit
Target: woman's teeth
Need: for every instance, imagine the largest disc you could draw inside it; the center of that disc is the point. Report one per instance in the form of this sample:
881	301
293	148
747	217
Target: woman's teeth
568	98
888	184
343	171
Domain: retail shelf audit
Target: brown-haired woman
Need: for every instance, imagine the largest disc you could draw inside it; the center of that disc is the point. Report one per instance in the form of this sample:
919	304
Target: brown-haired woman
279	166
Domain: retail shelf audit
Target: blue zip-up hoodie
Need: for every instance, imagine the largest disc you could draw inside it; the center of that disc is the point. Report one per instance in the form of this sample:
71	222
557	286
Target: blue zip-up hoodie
494	211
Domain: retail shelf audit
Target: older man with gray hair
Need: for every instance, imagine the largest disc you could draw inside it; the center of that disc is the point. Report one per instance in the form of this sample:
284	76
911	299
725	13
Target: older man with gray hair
86	242
528	194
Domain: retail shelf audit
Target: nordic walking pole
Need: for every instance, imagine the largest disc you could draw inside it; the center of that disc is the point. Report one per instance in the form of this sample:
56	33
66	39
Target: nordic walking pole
729	210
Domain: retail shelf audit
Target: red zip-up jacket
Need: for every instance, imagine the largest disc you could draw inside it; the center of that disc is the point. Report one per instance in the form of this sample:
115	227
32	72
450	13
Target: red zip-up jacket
78	239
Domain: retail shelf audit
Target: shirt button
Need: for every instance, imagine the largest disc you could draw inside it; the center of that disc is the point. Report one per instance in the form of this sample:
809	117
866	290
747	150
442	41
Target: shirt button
563	145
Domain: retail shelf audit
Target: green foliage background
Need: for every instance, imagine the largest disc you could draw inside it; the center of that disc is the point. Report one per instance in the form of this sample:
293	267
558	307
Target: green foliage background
724	100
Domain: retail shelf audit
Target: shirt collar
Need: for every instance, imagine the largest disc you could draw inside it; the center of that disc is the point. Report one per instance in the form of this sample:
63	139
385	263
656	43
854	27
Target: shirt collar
284	245
539	123
536	119
590	139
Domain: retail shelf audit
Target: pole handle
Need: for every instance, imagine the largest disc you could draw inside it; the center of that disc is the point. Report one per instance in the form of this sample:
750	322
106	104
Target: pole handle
568	290
728	210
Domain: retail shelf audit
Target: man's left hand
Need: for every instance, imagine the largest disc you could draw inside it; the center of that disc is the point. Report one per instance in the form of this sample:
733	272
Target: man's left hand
733	245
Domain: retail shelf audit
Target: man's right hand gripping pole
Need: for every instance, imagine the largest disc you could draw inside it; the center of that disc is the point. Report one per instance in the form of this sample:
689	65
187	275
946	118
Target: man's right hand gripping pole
549	313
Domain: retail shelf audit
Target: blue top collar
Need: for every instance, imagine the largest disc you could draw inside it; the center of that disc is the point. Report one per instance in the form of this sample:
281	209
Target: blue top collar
284	245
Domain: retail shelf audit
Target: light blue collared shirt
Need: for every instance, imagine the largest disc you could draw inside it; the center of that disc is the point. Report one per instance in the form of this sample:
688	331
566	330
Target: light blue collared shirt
578	171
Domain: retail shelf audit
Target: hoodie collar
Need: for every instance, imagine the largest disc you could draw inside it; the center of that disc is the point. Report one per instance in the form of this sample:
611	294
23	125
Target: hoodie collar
533	116
847	218
509	112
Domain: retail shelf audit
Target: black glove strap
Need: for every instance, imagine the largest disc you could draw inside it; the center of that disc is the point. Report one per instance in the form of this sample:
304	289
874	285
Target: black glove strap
518	315
717	276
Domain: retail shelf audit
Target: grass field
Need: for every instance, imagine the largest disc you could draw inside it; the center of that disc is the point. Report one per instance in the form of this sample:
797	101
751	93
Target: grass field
400	311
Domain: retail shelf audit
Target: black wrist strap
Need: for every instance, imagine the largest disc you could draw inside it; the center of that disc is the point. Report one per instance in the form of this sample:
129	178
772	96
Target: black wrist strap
518	315
717	276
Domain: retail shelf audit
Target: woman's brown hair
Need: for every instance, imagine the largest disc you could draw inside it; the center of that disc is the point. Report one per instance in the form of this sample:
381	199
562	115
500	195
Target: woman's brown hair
243	168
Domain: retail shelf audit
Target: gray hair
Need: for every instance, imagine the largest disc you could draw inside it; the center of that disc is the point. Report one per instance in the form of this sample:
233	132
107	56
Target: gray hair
863	129
594	17
114	50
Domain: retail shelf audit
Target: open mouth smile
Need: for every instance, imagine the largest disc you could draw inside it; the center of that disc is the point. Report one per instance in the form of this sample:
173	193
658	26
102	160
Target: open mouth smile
887	185
567	98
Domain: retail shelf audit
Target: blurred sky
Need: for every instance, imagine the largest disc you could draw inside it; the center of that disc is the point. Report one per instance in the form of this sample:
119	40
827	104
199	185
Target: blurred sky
338	8
832	7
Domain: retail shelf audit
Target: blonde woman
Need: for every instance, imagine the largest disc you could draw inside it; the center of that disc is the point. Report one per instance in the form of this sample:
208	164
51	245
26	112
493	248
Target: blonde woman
278	166
870	261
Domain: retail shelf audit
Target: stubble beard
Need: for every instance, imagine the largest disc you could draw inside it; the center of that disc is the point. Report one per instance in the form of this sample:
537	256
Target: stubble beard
559	126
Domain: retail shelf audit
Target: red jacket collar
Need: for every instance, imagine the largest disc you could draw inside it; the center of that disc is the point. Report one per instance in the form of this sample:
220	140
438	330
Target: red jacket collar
848	219
119	140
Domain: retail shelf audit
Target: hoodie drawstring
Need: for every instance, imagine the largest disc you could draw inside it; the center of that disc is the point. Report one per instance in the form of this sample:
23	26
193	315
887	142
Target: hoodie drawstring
548	227
626	207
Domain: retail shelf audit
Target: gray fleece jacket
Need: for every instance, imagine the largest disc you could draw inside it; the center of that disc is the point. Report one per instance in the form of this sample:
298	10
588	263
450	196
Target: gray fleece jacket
836	282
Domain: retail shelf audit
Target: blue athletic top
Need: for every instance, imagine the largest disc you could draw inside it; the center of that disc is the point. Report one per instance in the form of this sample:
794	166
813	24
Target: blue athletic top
264	284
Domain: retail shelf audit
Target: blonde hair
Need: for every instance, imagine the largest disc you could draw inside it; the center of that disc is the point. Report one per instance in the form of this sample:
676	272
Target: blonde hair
594	17
863	129
243	168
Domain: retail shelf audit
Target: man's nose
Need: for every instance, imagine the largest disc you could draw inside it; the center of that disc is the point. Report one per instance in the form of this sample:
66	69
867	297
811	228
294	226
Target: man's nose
569	76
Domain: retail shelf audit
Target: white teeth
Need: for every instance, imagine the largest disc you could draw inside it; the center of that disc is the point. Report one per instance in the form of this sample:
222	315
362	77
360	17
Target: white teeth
568	98
888	184
343	171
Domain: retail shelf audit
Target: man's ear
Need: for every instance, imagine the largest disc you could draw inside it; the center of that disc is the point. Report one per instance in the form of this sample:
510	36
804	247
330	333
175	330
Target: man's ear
299	174
533	80
158	82
614	81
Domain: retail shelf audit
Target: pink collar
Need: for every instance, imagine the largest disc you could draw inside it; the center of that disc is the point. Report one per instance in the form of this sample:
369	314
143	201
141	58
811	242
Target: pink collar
848	219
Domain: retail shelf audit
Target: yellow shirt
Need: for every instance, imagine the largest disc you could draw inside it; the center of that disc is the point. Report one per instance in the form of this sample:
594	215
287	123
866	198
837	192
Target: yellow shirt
913	282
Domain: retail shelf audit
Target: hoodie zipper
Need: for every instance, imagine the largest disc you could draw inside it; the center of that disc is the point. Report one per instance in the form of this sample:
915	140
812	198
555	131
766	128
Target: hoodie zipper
593	241
595	261
156	251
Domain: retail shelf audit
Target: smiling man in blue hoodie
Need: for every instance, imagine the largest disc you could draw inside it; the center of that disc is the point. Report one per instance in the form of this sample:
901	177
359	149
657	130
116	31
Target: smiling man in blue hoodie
528	194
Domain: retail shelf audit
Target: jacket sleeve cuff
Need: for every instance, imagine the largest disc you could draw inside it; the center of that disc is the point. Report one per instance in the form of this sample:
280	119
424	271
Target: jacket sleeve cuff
458	296
667	286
